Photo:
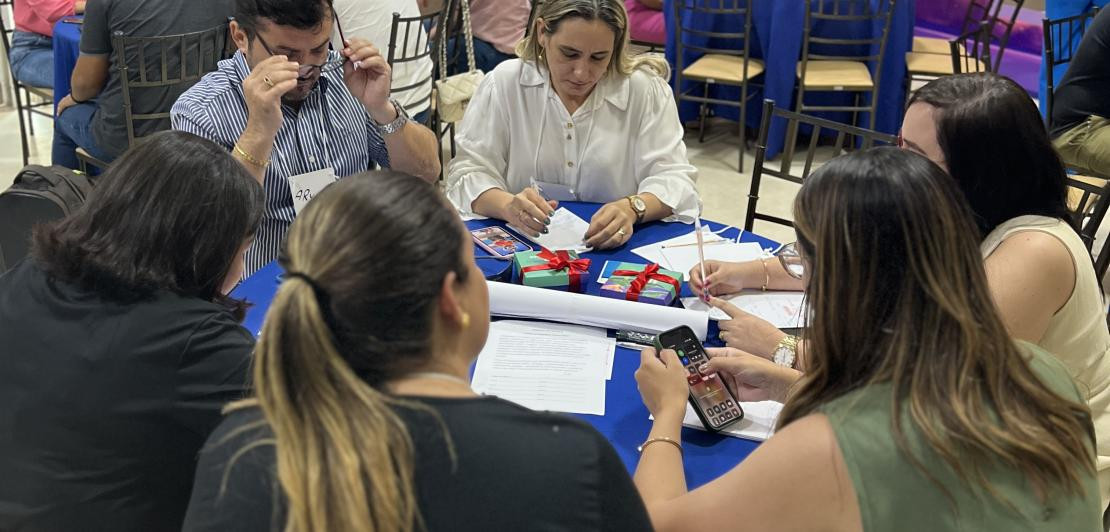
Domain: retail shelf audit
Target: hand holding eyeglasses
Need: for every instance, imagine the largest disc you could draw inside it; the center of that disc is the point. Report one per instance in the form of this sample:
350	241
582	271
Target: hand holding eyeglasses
368	76
269	80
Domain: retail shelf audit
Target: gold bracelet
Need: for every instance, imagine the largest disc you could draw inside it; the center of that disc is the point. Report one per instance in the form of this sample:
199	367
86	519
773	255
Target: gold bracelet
249	158
650	441
766	273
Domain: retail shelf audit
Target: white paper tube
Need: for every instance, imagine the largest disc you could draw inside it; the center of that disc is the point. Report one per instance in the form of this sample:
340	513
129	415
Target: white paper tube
519	301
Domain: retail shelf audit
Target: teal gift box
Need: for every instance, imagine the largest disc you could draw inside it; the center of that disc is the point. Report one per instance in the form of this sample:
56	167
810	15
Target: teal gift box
647	283
561	270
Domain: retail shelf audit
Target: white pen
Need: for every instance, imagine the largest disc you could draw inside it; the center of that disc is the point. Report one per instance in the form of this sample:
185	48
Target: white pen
701	258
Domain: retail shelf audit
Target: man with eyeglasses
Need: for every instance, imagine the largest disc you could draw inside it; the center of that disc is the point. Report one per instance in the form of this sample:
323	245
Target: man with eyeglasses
300	115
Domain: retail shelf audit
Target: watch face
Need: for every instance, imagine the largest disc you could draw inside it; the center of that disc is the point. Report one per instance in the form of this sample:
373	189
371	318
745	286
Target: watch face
638	202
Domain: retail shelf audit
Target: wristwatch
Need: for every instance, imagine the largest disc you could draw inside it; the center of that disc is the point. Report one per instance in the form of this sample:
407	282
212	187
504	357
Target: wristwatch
786	352
396	124
639	206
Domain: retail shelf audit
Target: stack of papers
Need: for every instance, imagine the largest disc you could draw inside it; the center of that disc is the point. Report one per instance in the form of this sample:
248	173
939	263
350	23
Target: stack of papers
758	423
566	232
546	366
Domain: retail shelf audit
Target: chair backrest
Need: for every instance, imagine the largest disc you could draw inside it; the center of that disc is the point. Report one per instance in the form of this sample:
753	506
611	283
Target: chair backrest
6	29
1088	199
174	62
845	137
971	51
1002	26
410	41
1061	39
831	30
978	12
691	37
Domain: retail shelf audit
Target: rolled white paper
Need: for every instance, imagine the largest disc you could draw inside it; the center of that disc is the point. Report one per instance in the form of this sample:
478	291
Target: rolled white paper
517	301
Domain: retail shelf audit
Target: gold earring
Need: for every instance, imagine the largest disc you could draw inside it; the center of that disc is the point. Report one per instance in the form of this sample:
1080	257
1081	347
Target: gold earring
465	320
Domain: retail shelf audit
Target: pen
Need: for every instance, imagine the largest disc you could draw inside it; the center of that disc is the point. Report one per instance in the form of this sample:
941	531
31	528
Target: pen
701	258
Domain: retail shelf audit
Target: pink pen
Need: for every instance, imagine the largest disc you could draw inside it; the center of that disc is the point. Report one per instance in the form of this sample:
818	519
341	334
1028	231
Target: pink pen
701	258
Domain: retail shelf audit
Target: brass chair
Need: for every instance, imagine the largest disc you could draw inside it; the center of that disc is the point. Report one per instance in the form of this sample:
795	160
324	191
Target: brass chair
845	137
837	64
25	107
143	64
978	12
1061	37
969	52
728	64
409	42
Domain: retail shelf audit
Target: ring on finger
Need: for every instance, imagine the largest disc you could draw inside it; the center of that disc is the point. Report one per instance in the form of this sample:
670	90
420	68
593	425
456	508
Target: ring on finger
621	233
268	81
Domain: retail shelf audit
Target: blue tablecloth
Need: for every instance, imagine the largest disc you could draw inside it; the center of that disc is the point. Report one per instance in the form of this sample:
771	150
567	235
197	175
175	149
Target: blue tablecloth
625	423
777	27
67	46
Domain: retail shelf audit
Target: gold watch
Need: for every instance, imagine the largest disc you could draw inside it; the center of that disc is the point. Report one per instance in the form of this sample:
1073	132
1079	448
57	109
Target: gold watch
639	206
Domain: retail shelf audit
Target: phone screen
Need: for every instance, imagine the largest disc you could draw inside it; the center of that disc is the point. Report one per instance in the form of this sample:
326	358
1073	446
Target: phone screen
707	392
498	241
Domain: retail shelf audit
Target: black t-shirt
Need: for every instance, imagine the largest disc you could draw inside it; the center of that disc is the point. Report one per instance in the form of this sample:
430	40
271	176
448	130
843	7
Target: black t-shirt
516	469
104	406
1085	88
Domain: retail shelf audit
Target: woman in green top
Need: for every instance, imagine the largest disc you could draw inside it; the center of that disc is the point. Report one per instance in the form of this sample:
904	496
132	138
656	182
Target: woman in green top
917	410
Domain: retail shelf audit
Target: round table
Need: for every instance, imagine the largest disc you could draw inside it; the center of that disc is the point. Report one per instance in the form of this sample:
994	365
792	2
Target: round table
67	46
625	423
777	28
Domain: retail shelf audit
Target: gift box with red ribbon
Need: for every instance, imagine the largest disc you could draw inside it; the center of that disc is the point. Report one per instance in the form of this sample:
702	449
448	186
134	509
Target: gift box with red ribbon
647	283
561	270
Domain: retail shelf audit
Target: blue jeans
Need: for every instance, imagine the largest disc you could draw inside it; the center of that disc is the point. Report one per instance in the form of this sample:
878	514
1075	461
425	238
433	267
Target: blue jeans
486	57
32	59
73	128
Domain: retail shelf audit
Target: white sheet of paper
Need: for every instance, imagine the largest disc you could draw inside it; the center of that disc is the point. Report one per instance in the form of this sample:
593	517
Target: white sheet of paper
564	233
546	366
304	187
684	259
518	301
758	423
782	309
555	191
654	252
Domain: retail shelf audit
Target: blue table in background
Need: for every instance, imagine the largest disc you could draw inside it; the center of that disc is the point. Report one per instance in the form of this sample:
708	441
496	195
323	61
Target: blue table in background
67	46
625	423
777	27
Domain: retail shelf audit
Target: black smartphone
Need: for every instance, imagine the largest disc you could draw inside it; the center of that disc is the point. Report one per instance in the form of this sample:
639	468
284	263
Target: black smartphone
712	400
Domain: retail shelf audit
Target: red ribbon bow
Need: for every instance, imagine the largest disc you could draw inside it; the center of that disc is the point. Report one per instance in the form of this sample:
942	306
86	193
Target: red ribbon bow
560	260
651	273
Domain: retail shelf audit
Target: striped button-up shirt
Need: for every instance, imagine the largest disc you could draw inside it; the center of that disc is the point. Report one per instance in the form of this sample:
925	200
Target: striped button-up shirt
331	129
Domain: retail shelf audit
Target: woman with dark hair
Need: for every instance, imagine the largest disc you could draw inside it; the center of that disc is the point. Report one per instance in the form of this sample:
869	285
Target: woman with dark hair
120	345
363	418
917	410
986	132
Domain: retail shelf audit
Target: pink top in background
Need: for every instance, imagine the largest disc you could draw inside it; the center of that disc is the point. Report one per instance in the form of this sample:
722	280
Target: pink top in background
644	23
39	16
500	22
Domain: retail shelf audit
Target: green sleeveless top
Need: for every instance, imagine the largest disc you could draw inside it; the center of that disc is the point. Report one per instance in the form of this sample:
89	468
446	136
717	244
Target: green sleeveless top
893	494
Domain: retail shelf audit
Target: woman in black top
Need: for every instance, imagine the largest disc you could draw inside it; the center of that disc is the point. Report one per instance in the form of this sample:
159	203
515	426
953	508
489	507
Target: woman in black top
363	418
118	345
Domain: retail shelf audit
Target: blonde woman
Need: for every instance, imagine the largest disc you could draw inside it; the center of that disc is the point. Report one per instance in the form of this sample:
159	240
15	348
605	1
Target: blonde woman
363	418
917	411
581	119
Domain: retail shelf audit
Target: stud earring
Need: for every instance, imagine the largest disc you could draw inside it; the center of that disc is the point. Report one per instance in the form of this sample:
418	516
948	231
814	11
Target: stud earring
465	319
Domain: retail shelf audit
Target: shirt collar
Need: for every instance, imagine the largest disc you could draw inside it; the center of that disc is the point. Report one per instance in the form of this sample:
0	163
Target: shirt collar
614	87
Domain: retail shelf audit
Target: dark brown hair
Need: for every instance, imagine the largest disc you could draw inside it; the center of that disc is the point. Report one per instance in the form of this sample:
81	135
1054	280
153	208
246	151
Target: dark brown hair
170	214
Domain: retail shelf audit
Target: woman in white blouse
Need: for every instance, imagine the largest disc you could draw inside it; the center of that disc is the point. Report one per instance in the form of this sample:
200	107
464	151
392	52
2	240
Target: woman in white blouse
576	117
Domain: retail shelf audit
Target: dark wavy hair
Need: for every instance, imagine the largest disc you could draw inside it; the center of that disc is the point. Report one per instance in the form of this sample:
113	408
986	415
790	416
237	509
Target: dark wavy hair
300	14
997	148
170	214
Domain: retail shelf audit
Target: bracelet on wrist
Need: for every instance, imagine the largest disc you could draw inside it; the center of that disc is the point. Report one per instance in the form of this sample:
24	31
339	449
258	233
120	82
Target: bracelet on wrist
75	100
250	158
650	441
766	273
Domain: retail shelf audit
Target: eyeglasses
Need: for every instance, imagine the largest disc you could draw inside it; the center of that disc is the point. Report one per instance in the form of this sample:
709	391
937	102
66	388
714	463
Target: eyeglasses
791	260
331	65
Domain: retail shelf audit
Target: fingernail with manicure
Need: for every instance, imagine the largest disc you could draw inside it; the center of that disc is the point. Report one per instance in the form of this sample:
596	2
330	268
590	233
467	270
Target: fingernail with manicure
545	230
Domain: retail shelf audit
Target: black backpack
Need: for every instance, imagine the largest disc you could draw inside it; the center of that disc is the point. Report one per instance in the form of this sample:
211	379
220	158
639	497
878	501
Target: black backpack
39	194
